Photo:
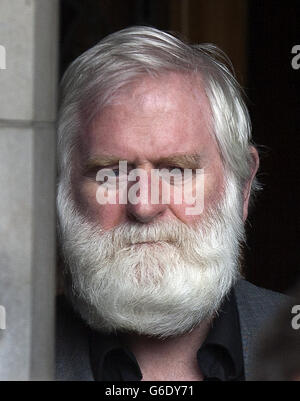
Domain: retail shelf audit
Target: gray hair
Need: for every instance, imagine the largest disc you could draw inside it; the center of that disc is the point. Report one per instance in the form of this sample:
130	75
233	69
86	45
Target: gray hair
125	56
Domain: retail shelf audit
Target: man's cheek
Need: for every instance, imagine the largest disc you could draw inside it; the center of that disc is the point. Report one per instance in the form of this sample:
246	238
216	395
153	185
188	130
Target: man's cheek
109	216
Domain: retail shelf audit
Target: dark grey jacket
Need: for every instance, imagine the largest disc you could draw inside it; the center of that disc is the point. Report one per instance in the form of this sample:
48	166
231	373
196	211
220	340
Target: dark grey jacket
256	306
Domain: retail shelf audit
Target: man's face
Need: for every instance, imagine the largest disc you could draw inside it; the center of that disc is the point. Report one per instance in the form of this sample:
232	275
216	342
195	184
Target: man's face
151	268
155	123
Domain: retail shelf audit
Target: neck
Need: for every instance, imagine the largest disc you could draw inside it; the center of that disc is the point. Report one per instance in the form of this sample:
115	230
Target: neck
172	358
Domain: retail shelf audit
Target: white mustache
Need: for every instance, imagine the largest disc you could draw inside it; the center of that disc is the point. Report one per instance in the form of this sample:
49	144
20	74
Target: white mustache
130	234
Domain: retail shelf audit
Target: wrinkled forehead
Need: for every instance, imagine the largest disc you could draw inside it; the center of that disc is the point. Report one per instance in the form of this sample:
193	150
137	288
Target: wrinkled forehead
187	87
171	110
168	89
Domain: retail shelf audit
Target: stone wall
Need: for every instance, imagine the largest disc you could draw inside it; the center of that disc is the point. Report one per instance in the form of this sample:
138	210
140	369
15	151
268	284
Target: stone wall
29	35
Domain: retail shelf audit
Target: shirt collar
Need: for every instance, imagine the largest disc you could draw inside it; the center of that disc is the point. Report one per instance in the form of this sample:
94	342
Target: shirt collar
220	357
111	360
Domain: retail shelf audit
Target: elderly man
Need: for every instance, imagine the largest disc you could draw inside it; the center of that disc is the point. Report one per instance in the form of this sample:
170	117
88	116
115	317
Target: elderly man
154	281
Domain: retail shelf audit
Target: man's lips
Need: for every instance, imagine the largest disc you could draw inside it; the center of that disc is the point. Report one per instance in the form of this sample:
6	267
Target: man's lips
151	242
145	242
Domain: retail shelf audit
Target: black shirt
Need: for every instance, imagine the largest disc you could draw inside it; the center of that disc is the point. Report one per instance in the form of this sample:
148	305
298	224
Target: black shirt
220	357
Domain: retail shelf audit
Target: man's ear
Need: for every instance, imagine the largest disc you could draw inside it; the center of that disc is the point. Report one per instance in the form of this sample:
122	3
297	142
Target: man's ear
247	188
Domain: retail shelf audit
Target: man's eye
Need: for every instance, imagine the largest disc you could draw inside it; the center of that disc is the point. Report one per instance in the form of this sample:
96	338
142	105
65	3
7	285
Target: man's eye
120	172
116	171
173	169
111	171
176	170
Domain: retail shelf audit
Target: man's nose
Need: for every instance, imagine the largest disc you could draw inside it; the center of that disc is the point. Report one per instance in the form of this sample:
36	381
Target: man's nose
143	207
145	213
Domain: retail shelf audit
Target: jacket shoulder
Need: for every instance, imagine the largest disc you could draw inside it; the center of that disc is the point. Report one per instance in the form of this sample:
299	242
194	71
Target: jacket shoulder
254	296
257	307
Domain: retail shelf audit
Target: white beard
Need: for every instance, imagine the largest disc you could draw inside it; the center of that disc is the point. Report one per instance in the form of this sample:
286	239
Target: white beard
163	289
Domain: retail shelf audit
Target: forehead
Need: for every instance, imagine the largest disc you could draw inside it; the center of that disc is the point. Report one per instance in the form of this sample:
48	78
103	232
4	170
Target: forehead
153	117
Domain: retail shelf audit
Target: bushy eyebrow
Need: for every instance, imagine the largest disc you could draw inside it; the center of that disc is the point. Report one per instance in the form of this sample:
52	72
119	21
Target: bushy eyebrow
176	160
181	160
102	161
